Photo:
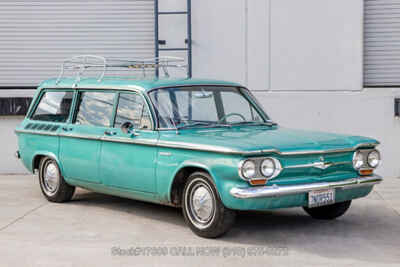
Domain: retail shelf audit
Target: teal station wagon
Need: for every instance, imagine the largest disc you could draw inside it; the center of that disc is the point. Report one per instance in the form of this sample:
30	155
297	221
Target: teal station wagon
205	146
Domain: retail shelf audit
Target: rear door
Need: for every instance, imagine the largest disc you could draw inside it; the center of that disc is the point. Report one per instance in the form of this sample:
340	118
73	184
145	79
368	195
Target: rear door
128	160
80	142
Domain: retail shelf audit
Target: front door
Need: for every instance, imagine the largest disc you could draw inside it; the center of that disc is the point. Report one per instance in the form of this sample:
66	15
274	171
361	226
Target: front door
128	158
80	142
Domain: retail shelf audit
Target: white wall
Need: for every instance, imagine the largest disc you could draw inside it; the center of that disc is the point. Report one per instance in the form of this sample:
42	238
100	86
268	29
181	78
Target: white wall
303	60
8	145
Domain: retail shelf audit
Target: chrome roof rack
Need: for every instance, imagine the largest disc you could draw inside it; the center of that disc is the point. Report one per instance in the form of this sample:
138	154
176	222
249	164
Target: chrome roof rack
83	62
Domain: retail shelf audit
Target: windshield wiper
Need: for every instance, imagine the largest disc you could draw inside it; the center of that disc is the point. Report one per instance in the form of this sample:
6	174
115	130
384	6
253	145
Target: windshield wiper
194	124
255	123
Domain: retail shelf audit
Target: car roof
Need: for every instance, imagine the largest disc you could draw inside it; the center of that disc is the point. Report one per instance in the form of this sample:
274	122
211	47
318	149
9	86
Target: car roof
124	83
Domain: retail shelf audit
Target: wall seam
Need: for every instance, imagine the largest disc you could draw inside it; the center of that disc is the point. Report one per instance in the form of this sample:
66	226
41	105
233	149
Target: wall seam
246	42
269	44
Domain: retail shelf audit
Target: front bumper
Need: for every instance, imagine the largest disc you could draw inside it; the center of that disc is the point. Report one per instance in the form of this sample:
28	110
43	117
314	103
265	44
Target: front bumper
277	191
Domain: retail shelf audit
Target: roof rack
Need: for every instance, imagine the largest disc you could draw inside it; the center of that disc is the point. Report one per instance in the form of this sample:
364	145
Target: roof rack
83	62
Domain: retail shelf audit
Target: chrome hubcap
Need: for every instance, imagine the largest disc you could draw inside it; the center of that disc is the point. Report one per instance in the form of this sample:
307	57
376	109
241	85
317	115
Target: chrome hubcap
51	179
202	204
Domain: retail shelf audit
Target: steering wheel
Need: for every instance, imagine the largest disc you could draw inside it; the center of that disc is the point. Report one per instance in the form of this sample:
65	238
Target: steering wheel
230	115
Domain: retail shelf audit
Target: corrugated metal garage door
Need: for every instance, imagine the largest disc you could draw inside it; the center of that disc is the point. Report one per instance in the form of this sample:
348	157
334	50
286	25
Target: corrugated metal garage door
382	43
36	35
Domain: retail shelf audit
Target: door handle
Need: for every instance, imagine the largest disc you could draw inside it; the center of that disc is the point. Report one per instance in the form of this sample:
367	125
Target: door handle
107	132
66	129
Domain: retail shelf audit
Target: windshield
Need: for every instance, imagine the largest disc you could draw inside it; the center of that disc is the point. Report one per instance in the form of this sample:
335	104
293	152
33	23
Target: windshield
195	106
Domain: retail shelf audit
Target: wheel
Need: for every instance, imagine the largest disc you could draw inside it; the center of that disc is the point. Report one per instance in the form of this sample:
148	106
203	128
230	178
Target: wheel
328	212
202	208
53	186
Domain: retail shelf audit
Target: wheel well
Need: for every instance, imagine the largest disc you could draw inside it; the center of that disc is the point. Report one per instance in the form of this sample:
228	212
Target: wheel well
36	162
179	183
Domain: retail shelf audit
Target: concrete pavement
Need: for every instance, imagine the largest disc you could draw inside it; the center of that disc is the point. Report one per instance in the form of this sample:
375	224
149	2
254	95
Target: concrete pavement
99	230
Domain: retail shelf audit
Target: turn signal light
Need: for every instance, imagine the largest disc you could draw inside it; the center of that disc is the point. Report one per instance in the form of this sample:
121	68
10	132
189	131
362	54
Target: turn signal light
366	172
258	181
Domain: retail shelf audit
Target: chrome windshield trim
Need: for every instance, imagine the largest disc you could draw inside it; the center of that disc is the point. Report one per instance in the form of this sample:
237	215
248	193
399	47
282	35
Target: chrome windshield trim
277	191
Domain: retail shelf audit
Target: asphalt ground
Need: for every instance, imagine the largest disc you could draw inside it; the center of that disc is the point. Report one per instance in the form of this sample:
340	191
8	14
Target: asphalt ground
99	230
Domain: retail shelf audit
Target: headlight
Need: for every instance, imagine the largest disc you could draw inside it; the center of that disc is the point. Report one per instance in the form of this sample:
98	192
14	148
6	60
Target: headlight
268	167
374	158
248	169
358	160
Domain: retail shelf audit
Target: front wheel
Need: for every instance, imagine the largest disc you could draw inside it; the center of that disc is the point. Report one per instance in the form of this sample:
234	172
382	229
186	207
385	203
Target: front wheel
53	185
328	212
202	208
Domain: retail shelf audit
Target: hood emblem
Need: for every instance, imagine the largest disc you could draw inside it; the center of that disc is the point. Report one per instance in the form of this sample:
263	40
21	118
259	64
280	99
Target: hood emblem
322	164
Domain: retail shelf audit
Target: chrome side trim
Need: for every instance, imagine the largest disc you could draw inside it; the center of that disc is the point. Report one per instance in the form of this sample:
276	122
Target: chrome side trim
147	142
210	148
277	191
79	136
224	150
199	147
36	132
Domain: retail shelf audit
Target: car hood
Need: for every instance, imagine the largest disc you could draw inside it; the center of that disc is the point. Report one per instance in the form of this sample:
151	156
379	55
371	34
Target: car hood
255	138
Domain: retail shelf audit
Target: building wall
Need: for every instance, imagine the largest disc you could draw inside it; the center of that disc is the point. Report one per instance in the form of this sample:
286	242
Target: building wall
302	59
304	62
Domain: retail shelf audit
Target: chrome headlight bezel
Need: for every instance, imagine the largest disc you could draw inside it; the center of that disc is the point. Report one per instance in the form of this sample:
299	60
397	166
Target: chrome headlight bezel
258	173
276	164
242	166
374	152
358	160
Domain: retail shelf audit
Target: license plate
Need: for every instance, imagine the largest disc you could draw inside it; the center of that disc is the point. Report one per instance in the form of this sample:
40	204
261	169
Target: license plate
321	198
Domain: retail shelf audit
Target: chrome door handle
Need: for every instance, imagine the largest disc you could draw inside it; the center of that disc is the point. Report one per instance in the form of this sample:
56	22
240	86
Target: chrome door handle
110	132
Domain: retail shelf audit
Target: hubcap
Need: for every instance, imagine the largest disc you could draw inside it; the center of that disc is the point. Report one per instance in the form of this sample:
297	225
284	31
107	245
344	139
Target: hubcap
202	204
51	179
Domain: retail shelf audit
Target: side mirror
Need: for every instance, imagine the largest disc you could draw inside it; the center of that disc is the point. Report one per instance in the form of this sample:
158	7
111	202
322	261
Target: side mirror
127	127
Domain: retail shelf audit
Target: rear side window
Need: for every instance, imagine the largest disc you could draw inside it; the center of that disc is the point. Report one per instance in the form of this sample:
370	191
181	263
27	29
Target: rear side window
53	106
95	108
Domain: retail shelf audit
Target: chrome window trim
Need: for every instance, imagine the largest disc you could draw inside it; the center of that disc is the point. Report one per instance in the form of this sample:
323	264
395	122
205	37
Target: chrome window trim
118	89
255	105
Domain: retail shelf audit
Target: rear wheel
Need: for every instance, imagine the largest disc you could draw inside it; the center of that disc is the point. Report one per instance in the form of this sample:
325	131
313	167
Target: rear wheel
53	185
202	208
329	212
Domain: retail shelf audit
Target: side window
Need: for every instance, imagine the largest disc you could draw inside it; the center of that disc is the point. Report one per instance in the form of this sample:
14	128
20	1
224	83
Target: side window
95	108
54	106
132	108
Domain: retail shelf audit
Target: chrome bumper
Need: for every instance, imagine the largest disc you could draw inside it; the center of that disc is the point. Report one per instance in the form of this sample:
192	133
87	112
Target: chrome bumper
277	191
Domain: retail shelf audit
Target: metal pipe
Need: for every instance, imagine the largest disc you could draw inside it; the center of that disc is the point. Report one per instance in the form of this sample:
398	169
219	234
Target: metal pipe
189	31
156	48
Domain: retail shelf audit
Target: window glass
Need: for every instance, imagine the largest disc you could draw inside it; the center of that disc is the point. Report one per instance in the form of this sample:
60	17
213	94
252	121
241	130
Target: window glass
198	106
132	108
53	106
235	103
95	108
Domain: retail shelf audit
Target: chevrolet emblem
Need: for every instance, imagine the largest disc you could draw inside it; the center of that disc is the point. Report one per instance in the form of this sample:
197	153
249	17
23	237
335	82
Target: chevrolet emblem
322	164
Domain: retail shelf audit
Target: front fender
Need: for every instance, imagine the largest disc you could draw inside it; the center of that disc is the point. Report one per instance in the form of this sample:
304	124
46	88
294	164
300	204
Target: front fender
223	169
